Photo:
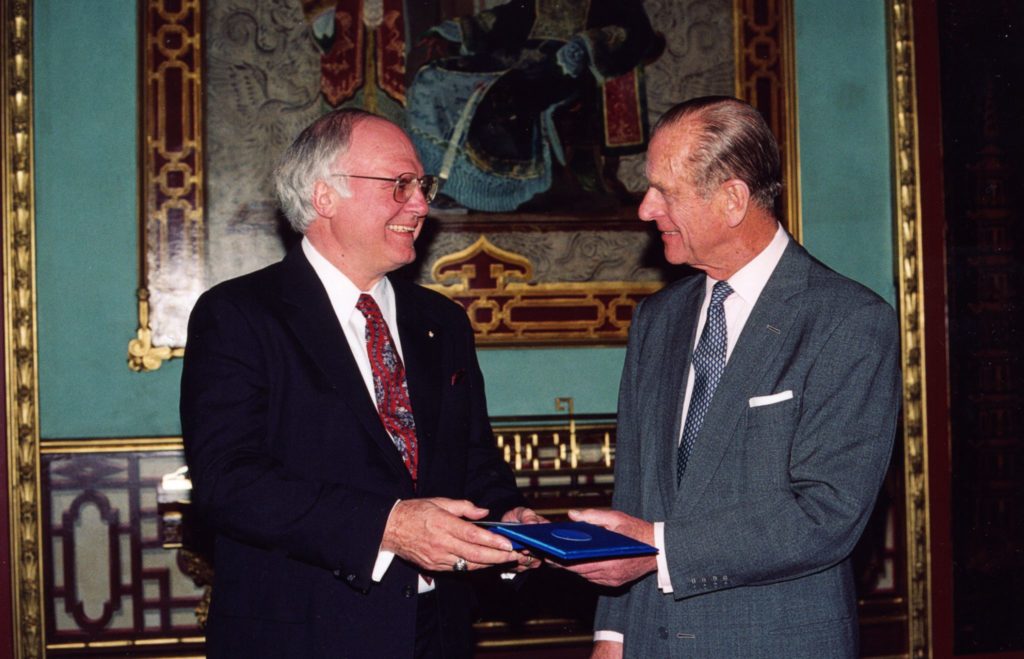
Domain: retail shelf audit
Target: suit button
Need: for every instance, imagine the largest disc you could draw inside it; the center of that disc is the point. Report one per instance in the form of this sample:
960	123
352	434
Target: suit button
662	632
408	591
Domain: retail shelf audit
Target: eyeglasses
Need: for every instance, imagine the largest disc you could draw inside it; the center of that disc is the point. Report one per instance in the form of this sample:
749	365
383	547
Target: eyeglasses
404	189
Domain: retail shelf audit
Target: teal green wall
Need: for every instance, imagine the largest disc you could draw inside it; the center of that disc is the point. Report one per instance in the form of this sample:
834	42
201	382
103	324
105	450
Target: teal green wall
846	180
86	134
86	218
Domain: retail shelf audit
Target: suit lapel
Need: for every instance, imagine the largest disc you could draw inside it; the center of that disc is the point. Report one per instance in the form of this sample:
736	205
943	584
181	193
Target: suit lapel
668	400
311	318
767	329
422	340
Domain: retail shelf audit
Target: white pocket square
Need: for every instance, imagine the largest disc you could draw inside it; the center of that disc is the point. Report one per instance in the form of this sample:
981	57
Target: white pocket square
761	401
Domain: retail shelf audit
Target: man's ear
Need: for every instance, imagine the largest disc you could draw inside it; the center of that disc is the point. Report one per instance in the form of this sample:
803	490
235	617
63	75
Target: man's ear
324	198
735	199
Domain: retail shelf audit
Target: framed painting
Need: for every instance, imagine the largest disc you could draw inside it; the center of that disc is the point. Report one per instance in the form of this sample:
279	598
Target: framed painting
557	258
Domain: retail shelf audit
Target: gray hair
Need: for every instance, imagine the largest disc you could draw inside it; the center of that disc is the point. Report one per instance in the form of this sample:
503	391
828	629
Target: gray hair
309	159
733	141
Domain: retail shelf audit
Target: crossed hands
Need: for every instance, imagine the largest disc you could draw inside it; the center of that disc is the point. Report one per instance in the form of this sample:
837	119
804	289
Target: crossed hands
435	533
615	572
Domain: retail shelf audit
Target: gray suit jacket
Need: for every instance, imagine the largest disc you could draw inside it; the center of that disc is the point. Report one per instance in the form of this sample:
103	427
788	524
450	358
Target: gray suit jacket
758	534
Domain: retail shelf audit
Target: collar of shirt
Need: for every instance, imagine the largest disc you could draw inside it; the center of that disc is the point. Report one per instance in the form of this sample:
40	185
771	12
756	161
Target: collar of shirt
344	294
747	284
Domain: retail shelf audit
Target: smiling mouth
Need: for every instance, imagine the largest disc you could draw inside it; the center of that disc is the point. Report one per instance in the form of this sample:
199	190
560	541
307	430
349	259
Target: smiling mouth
398	228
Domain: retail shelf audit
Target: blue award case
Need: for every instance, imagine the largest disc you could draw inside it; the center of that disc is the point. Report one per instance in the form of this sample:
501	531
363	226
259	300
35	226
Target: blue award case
572	541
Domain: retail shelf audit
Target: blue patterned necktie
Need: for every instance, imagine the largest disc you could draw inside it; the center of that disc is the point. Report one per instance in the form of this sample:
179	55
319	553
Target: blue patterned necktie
390	387
708	364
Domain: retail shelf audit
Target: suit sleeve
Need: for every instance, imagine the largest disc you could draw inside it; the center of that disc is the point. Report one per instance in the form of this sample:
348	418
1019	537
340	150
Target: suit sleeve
240	488
836	457
612	607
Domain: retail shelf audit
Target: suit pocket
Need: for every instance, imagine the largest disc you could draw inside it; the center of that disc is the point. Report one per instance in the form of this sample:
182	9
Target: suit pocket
772	399
769	436
775	414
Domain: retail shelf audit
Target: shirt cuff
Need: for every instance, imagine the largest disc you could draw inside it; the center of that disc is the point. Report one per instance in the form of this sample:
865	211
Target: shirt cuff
664	579
606	635
384	557
383	562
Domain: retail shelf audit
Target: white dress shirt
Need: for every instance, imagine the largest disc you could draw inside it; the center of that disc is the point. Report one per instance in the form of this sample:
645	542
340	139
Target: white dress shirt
747	284
343	295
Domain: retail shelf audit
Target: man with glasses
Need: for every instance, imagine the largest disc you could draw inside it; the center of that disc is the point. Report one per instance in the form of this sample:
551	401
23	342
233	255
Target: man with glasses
335	424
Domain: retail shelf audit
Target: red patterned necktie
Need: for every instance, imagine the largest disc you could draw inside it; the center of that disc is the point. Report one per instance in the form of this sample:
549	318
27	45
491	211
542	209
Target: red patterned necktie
389	385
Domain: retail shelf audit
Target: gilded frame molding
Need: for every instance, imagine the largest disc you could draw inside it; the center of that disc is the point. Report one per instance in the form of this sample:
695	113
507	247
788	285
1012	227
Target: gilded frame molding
907	224
20	337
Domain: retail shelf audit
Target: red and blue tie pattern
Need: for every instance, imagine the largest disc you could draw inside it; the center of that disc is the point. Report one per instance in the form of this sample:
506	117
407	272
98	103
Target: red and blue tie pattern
708	364
389	385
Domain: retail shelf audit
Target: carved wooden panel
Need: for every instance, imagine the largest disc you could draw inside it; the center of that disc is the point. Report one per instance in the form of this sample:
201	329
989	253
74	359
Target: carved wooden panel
109	581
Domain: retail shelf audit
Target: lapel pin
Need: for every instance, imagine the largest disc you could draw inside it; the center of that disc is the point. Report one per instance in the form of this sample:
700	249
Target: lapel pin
430	333
772	328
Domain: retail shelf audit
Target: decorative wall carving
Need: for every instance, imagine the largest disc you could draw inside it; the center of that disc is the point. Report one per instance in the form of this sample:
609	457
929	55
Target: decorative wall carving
172	178
505	308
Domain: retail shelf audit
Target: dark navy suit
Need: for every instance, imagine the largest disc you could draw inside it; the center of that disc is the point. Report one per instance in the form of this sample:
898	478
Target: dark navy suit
293	470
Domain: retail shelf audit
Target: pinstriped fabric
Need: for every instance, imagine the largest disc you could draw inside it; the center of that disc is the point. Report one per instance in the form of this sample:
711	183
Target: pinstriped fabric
389	385
708	364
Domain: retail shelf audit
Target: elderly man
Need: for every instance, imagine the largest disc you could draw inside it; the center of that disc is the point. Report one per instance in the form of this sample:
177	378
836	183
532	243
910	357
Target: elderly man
757	412
335	423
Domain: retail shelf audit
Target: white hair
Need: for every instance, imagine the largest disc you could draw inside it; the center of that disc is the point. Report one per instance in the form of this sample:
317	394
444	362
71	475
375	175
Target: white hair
309	159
